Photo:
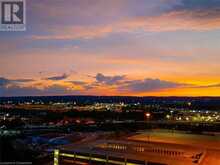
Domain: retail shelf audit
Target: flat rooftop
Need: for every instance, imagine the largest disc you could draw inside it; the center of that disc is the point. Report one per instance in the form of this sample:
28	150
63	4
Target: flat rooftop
211	144
165	136
164	153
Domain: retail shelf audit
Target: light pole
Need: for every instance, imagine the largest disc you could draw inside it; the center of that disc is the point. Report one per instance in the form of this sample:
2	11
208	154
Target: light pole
148	115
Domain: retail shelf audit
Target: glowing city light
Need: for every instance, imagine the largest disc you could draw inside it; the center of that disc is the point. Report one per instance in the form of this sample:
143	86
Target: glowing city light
147	114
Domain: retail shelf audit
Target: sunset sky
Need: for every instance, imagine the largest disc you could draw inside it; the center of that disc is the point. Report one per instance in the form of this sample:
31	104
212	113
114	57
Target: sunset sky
114	47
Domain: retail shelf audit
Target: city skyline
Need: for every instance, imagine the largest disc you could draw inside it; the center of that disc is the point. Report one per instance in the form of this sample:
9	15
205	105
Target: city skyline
119	47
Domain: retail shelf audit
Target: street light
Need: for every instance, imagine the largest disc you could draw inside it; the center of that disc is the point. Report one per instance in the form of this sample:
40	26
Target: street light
147	115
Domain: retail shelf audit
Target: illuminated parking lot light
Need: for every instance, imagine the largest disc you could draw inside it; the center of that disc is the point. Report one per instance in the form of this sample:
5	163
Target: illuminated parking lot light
147	114
168	116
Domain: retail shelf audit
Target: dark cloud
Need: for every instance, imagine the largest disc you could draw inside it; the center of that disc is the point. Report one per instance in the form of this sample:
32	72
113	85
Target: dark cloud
57	78
203	9
16	90
145	85
124	85
197	4
10	87
5	81
86	86
77	82
59	90
109	80
208	86
148	85
21	80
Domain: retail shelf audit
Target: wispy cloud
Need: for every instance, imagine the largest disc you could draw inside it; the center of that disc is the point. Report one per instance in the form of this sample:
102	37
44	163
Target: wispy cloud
207	86
58	78
181	15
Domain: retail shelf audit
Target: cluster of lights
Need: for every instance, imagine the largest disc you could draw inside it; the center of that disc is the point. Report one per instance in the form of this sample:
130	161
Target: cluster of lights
195	116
